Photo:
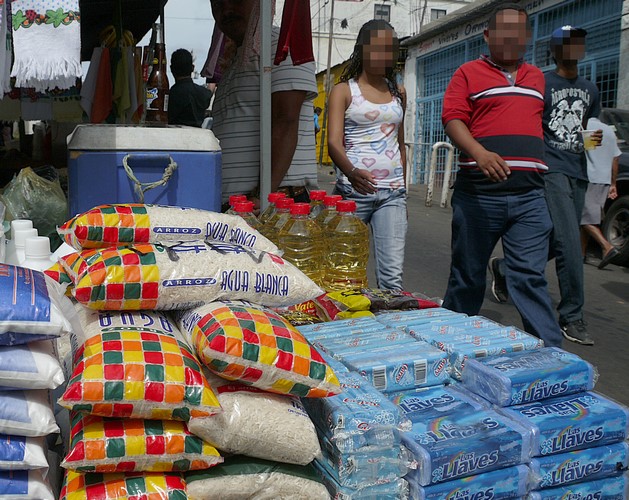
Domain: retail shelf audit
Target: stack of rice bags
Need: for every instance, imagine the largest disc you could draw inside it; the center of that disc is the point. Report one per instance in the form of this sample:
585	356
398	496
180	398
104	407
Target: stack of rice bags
32	315
579	448
139	366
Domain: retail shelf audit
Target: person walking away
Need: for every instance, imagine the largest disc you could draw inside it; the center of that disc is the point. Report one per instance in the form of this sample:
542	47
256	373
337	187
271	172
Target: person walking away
317	124
602	169
187	102
492	111
366	144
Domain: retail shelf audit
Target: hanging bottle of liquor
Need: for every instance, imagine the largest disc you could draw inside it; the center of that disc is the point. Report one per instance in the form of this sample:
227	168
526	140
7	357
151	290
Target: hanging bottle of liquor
157	85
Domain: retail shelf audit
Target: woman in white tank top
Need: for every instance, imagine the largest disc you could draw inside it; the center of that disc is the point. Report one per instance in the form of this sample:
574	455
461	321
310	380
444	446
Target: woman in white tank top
366	143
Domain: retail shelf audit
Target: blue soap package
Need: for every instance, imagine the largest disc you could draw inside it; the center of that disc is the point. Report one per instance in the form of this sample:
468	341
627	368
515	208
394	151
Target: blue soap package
512	482
403	318
464	443
522	377
572	422
359	416
416	364
364	342
582	465
612	488
428	403
338	325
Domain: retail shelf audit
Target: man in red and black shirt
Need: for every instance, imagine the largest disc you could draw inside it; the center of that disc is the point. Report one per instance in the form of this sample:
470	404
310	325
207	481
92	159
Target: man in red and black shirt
492	111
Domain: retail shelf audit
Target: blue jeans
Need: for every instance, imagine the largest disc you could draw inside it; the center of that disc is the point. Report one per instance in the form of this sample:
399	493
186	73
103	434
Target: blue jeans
385	212
523	223
566	196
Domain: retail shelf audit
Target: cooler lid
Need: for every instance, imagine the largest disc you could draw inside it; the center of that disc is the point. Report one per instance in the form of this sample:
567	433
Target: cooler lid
89	137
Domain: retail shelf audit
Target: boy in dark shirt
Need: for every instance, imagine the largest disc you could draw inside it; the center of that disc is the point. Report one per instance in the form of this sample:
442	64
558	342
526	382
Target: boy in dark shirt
187	101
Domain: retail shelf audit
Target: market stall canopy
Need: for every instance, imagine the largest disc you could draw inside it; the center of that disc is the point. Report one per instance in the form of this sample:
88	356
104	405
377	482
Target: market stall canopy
138	17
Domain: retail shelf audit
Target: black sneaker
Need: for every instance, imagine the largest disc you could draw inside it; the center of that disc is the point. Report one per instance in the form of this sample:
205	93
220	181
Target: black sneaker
577	332
498	281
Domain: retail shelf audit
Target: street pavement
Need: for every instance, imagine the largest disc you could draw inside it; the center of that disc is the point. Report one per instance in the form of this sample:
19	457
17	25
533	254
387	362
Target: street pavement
427	266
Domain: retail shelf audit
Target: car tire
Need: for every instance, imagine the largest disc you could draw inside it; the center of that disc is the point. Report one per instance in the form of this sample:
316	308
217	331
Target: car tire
616	228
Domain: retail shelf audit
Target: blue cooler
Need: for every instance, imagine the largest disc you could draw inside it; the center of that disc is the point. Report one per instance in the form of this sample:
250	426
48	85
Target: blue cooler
174	165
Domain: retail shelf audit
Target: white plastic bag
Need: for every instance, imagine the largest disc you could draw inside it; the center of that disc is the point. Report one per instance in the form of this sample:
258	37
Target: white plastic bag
30	366
26	413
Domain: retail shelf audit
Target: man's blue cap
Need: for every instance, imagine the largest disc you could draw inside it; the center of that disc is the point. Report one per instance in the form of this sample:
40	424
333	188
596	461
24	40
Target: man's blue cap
563	34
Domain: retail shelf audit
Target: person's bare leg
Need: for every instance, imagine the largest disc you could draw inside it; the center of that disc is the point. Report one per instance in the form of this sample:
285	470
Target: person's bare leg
595	233
585	237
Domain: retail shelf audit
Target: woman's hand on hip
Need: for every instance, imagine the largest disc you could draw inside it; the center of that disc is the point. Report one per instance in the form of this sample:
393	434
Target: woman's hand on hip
363	181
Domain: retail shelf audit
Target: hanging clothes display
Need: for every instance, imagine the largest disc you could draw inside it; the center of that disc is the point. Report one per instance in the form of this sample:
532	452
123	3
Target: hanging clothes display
295	33
5	48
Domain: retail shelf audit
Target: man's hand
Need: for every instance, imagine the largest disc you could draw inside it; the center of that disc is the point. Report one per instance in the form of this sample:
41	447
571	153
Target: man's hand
613	192
597	137
363	181
493	166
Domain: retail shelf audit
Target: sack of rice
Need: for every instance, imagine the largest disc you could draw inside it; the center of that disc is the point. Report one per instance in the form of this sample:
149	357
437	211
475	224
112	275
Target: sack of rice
135	373
128	224
183	275
26	413
22	453
243	477
58	274
254	345
32	307
123	486
25	485
258	424
132	445
30	366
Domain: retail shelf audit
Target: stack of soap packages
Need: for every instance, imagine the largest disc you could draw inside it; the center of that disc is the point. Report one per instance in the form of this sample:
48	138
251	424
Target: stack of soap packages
145	420
32	315
578	436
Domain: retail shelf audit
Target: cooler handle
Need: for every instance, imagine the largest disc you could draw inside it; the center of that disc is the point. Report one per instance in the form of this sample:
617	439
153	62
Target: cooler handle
142	187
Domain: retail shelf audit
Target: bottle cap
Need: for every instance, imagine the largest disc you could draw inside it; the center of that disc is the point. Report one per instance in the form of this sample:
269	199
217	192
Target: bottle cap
346	206
284	203
318	195
273	197
19	237
300	209
20	225
236	198
37	247
243	206
331	200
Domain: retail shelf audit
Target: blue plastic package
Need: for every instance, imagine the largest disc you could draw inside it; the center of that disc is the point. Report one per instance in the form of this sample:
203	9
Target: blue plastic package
26	485
432	402
612	488
572	422
512	482
364	341
581	465
340	325
465	443
403	318
523	377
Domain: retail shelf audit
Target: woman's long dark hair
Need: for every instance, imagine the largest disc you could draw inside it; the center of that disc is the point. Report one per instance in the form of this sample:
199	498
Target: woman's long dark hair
355	66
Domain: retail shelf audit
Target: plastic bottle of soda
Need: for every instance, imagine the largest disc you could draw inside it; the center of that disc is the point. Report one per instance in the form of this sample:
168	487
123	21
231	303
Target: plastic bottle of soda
316	202
278	219
245	210
329	210
233	199
270	210
347	249
301	239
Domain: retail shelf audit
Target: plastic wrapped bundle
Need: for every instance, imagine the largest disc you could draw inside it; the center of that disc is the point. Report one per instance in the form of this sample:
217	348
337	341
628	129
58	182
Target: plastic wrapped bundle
464	444
25	485
613	488
572	422
432	402
244	477
512	482
364	342
341	329
552	471
523	377
402	318
30	366
359	416
26	413
22	453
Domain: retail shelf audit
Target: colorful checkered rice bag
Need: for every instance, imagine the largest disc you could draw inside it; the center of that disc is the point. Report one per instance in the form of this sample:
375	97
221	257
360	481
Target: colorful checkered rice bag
184	275
129	224
256	346
132	445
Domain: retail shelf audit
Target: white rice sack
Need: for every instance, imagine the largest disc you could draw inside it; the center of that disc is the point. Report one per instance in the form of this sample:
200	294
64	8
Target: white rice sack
30	366
26	413
22	453
243	477
258	424
25	485
128	224
184	275
32	307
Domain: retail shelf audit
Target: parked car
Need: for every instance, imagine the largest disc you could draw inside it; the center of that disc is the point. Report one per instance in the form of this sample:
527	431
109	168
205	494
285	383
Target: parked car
615	225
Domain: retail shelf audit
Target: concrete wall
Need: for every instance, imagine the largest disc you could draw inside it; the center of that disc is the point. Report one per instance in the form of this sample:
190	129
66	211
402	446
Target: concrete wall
623	72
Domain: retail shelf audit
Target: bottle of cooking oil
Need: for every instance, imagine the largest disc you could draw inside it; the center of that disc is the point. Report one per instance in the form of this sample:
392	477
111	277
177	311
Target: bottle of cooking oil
301	239
347	249
329	209
233	199
245	210
282	213
316	202
270	209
